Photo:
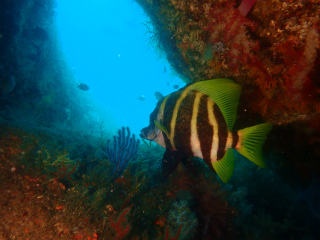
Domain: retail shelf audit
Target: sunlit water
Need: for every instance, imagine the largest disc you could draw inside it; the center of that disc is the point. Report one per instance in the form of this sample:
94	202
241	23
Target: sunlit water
105	43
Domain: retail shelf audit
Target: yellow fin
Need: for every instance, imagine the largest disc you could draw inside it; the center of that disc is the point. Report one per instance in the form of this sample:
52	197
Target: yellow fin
252	140
225	166
225	93
161	127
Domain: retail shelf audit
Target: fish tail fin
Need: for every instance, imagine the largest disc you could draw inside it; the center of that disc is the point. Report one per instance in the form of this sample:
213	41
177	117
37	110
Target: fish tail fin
251	140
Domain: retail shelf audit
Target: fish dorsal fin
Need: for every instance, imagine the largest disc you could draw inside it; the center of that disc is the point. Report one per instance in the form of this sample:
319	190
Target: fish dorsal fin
225	93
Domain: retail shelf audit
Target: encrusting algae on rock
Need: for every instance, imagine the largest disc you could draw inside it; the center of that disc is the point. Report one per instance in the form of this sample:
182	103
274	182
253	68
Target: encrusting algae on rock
273	50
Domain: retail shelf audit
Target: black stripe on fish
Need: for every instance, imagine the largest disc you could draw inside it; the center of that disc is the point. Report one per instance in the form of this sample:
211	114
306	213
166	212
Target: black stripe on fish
183	125
222	132
235	139
205	130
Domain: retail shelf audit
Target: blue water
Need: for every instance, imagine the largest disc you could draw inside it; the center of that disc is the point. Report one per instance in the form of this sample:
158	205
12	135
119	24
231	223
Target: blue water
105	45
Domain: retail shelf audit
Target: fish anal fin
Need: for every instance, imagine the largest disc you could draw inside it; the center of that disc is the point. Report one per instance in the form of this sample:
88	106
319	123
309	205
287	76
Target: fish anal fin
225	166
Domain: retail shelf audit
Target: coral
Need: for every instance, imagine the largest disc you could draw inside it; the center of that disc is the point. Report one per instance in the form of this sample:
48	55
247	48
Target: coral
173	238
181	218
161	221
121	231
56	161
129	184
64	171
124	150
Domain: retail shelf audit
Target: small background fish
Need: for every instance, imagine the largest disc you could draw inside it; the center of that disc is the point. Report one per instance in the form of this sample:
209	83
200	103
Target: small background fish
158	96
142	98
175	86
83	87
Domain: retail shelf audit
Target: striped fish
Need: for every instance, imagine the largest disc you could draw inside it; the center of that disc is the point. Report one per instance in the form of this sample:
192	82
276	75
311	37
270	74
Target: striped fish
197	121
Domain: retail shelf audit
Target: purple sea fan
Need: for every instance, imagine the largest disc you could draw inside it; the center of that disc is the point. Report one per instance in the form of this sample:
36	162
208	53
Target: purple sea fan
124	150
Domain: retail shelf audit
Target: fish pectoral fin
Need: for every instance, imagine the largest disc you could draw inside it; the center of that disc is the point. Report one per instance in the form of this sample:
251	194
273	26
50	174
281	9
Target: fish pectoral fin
225	166
161	127
170	161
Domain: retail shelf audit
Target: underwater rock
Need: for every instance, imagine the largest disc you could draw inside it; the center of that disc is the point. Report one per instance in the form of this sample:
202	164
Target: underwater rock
7	84
36	53
311	196
218	47
40	34
181	215
68	114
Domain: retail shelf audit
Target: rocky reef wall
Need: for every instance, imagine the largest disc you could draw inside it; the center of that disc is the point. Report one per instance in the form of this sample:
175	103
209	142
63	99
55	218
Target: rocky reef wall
42	88
270	48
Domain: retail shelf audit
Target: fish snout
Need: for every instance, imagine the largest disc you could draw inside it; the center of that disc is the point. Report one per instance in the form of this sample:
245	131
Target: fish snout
143	133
